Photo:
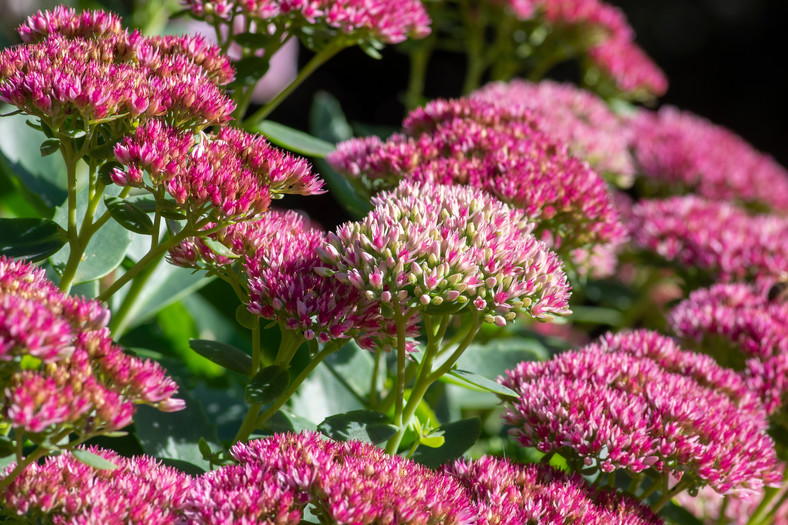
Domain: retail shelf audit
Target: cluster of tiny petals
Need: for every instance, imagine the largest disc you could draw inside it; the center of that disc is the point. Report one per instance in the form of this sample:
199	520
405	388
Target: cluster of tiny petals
84	380
430	247
629	67
390	21
676	148
500	150
715	236
84	65
574	116
350	483
140	491
506	493
621	404
233	172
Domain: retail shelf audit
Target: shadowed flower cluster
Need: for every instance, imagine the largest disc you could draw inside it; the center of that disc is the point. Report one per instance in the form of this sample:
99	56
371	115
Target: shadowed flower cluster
387	21
231	173
637	402
83	65
680	151
440	249
139	491
62	371
500	150
509	494
716	237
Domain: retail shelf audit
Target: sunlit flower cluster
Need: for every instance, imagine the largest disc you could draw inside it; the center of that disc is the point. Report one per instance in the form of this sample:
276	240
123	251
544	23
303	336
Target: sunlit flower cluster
509	494
384	20
499	149
619	404
679	151
715	237
231	172
63	372
444	248
139	491
83	65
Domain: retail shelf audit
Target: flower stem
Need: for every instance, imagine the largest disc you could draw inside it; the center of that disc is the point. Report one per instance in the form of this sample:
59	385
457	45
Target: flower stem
319	59
474	49
419	59
373	387
121	318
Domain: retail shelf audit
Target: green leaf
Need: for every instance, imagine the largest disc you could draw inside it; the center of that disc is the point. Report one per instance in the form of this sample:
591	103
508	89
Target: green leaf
284	421
267	385
323	394
129	216
432	441
326	119
460	436
679	515
183	466
254	40
7	446
353	366
484	383
295	140
219	248
249	70
372	48
93	460
228	356
363	425
105	172
32	239
49	146
246	318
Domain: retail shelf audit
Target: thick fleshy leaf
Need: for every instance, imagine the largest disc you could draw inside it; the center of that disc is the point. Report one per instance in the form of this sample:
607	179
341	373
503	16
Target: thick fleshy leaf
324	394
32	239
129	216
295	140
363	425
93	460
482	382
460	436
227	356
254	40
49	146
327	120
267	385
219	248
249	70
284	421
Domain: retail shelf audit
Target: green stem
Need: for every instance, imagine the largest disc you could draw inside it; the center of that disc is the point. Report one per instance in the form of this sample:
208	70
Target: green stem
474	49
76	250
419	59
128	307
373	387
399	393
649	491
668	495
249	423
765	512
34	456
255	348
721	518
319	59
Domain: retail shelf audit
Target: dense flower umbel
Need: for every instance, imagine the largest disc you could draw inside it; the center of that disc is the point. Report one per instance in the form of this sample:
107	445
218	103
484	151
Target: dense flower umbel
679	151
82	65
714	236
233	172
498	149
621	404
442	248
389	21
348	483
139	491
83	382
509	494
574	116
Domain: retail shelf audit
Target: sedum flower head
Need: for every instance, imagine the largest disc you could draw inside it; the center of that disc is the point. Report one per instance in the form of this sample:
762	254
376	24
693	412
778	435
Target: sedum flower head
574	116
348	483
634	401
716	237
387	21
231	174
83	65
501	150
61	368
506	493
140	491
676	149
443	248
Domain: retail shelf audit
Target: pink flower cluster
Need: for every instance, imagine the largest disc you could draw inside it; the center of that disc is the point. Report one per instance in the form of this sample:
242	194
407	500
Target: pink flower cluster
84	65
676	149
576	117
232	173
716	237
390	21
635	401
509	494
77	379
441	248
347	483
610	41
499	149
139	491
